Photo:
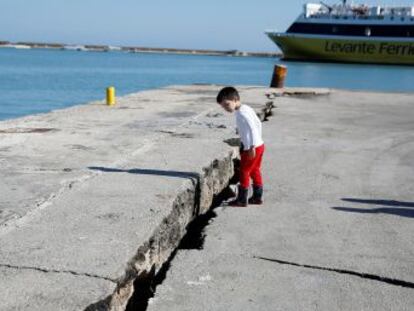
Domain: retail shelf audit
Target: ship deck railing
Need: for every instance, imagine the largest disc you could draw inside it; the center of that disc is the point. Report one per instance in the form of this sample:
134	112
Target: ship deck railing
365	17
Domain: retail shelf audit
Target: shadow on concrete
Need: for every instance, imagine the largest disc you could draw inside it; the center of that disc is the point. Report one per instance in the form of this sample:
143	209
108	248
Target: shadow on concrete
178	174
397	208
381	202
403	212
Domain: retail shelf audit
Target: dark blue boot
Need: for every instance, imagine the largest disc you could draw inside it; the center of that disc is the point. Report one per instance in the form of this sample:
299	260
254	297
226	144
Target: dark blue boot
241	200
257	197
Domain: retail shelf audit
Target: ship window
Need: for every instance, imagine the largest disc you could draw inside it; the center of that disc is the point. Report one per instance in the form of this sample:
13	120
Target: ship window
392	18
345	17
334	29
402	18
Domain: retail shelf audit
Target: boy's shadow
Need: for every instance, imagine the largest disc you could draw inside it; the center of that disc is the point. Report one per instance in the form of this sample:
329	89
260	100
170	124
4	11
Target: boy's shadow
178	174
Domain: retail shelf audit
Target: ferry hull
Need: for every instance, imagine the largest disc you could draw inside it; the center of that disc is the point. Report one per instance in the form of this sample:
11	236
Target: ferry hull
343	49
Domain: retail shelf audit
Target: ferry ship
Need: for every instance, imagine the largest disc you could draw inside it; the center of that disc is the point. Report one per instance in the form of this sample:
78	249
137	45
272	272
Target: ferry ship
350	33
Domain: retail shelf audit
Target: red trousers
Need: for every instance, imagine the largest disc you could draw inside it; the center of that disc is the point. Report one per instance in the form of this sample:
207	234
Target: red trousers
251	168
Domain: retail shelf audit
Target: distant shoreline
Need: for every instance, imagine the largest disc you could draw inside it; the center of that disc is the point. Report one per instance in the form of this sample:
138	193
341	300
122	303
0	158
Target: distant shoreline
134	49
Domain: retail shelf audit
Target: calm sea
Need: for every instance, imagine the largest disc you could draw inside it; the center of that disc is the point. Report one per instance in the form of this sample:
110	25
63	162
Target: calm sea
33	81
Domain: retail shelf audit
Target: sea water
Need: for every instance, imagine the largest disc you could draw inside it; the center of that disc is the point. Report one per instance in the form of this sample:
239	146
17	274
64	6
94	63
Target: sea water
40	80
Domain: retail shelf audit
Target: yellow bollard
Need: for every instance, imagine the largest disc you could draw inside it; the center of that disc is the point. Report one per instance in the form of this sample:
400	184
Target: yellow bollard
110	96
279	75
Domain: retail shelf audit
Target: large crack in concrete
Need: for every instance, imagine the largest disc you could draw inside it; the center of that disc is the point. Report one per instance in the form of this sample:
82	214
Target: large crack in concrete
44	270
368	276
194	200
145	286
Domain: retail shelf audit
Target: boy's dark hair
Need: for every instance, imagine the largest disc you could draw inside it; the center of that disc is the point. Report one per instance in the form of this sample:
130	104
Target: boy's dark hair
228	93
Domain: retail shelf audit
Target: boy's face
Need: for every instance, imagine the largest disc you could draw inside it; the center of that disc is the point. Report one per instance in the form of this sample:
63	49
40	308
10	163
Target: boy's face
230	105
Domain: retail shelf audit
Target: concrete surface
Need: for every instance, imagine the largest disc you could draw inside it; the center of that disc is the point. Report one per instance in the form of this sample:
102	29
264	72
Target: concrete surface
92	196
336	229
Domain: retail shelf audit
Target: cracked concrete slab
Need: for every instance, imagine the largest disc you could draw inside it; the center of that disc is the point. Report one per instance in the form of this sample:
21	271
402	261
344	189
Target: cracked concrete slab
339	178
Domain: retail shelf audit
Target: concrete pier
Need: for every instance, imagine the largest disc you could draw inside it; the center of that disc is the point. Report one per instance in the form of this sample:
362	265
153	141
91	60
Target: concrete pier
93	197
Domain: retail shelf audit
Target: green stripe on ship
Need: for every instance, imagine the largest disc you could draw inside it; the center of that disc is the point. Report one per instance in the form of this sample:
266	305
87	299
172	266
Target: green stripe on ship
345	50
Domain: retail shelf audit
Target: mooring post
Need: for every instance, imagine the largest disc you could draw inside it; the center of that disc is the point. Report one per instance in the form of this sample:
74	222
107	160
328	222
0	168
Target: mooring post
279	75
110	96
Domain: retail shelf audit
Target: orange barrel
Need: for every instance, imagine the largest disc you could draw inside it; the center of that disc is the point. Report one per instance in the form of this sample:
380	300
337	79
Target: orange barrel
279	75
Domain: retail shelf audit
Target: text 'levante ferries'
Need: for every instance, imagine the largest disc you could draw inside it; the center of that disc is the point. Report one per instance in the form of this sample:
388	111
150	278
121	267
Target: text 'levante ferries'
370	48
350	33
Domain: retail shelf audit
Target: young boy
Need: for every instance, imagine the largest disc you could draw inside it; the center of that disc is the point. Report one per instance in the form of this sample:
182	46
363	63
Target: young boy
249	128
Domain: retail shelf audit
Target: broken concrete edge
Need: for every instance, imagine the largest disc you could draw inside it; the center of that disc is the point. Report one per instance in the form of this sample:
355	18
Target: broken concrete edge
266	111
194	199
297	92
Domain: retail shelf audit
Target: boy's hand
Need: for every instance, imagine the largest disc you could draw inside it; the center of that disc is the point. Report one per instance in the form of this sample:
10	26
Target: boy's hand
251	152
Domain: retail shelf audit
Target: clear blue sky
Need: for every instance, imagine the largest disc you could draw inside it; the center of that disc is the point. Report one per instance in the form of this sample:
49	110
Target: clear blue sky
208	24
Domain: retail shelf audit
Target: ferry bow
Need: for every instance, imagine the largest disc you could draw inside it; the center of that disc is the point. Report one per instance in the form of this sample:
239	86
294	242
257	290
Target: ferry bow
350	33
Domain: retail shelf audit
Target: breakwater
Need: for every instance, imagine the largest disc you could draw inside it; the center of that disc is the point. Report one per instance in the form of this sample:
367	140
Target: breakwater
134	49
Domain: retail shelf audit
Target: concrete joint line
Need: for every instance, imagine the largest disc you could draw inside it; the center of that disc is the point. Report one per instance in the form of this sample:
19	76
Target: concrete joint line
395	282
57	272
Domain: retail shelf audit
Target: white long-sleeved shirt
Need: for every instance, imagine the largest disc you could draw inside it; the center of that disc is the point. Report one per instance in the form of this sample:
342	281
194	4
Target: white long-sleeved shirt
249	127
